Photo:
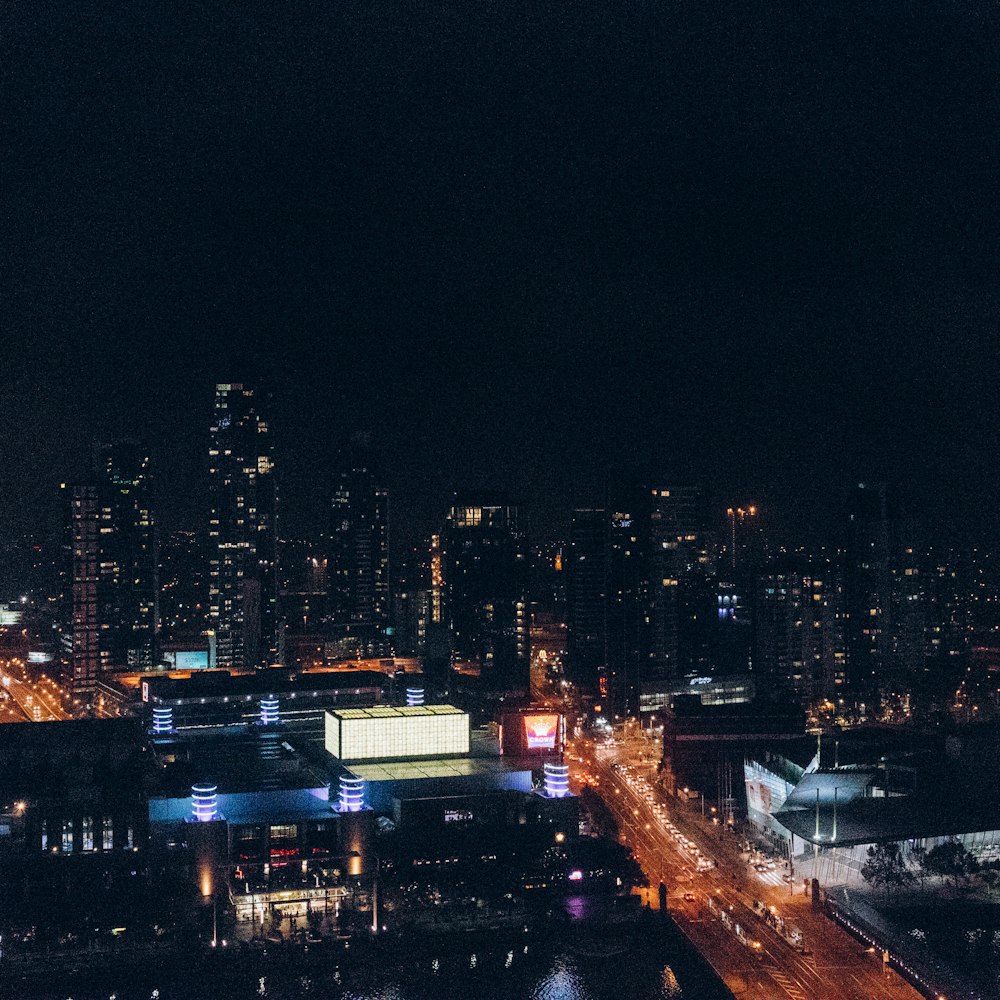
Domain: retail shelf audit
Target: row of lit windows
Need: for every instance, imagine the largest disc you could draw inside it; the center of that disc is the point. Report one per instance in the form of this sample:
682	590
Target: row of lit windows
59	836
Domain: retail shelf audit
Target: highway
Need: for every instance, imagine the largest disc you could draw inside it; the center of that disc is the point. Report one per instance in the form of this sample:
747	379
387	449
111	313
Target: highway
40	701
752	957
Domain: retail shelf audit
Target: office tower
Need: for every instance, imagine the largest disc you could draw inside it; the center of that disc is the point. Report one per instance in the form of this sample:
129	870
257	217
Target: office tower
80	626
586	598
358	558
243	590
127	596
484	566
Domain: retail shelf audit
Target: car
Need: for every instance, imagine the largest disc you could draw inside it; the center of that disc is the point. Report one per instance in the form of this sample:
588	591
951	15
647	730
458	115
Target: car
689	897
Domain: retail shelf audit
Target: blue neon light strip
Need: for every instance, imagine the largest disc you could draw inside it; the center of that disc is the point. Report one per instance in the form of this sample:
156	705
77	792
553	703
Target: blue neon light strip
556	781
204	802
352	794
163	720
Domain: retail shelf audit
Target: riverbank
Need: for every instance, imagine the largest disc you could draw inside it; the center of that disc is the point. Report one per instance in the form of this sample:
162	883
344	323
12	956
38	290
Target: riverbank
546	961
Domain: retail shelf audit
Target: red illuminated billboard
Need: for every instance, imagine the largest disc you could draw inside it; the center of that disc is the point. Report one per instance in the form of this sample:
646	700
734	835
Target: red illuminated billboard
541	732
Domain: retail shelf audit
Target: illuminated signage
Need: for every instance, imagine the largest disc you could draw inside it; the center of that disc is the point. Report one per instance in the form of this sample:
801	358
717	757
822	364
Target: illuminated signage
541	731
386	733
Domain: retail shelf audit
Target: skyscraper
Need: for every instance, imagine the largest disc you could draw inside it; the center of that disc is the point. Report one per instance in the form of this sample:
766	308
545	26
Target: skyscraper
127	596
587	598
110	587
484	564
884	589
798	632
242	530
80	625
660	601
358	559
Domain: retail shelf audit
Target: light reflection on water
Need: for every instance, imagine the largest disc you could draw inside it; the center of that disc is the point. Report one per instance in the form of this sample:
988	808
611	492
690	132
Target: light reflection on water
562	983
656	967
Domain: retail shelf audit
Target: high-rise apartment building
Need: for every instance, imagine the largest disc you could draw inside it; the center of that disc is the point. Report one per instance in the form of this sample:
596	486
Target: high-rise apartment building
661	603
884	589
243	585
586	611
110	588
358	558
128	590
484	569
80	625
183	584
799	650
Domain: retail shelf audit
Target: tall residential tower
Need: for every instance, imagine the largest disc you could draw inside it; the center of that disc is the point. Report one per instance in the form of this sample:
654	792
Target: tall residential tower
242	530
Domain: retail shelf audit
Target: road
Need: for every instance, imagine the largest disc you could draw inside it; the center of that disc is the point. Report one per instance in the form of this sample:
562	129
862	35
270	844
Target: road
753	958
40	701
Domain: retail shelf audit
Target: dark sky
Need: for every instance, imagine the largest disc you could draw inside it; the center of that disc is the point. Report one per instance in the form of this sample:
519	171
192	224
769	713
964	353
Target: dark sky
751	243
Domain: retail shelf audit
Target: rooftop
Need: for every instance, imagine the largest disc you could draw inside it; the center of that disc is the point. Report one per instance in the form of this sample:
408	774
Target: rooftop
389	712
412	770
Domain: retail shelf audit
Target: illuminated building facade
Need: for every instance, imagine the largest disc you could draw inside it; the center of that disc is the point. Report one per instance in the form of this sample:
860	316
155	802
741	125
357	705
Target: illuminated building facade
484	566
243	587
384	733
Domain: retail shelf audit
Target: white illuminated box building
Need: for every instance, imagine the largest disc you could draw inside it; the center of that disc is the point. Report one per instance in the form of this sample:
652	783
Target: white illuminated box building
370	734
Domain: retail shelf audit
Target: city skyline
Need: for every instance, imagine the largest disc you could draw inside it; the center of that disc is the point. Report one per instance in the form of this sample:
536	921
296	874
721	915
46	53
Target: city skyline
500	500
790	278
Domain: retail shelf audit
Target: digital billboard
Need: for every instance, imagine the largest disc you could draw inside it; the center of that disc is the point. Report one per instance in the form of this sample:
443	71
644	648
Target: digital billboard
536	732
541	732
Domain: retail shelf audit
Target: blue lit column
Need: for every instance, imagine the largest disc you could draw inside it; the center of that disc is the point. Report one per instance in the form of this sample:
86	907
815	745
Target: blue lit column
163	721
355	826
269	715
204	803
352	794
414	697
556	780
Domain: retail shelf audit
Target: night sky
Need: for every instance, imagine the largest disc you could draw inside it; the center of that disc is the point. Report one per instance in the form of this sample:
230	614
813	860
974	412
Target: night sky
752	244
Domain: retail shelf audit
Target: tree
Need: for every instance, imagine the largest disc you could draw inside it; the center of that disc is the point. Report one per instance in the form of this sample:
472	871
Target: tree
991	878
885	867
951	861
